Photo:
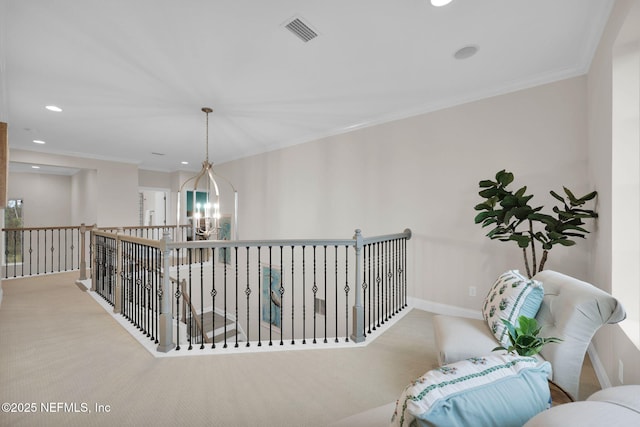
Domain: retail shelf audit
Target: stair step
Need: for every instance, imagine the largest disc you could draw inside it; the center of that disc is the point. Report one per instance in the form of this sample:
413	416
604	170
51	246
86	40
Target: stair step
231	336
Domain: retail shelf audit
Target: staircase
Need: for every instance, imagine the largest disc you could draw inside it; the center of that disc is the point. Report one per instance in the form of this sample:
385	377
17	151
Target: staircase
214	322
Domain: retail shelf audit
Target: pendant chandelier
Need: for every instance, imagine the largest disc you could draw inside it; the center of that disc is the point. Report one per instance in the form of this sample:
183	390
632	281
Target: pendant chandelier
205	194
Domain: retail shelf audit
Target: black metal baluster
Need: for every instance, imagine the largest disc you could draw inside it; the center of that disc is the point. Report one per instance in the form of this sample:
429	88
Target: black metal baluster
325	294
22	250
366	265
346	292
30	252
190	317
177	295
59	251
52	250
38	251
224	284
202	300
214	292
335	268
259	299
269	297
390	276
385	294
404	269
378	286
147	294
315	291
304	298
236	264
293	326
281	297
247	293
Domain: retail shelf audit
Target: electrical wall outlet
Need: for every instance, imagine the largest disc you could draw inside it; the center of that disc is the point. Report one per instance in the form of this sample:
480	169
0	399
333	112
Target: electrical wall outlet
620	371
472	291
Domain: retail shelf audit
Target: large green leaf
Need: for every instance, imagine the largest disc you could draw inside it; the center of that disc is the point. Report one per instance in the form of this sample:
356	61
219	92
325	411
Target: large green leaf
504	178
522	240
489	192
484	215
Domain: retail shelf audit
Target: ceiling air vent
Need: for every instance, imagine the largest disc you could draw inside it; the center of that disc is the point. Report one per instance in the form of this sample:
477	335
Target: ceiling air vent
298	27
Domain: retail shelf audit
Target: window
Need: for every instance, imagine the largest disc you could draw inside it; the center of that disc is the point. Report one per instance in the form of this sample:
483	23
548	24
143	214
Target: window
13	239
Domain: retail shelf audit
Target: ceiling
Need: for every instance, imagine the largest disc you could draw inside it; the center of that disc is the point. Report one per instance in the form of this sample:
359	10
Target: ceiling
132	75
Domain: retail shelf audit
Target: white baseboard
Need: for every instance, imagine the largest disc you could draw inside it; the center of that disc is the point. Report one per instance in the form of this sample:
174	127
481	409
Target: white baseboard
598	367
450	310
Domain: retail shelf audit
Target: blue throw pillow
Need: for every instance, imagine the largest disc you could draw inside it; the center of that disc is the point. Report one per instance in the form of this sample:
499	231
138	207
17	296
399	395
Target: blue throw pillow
495	390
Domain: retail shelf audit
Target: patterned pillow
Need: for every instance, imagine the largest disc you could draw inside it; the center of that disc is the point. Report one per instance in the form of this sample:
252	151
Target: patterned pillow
496	390
512	296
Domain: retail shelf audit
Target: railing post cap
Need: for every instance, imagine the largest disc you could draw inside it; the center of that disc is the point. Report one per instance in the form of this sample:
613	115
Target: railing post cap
408	233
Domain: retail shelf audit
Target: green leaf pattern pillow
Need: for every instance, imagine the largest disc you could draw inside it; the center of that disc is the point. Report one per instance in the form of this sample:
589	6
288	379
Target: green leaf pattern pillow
511	296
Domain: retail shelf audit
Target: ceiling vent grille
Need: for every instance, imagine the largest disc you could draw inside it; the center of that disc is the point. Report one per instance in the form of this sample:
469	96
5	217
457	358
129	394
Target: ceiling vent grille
301	29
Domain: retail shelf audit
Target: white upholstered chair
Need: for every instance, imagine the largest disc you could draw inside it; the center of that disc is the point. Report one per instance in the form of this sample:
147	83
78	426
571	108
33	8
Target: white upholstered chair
571	309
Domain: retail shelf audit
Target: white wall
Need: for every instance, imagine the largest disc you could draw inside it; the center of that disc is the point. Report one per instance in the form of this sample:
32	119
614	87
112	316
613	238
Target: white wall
611	343
84	197
115	188
46	198
422	173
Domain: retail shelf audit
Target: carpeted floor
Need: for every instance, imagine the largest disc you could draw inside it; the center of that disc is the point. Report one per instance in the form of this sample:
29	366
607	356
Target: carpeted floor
62	352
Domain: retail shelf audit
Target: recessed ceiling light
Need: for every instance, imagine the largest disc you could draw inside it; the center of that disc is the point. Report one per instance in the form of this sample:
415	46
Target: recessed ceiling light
185	163
438	3
53	108
466	52
38	141
35	167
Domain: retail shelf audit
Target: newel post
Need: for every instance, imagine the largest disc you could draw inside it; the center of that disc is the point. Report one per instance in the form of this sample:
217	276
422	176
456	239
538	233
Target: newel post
83	257
166	319
358	309
117	302
93	257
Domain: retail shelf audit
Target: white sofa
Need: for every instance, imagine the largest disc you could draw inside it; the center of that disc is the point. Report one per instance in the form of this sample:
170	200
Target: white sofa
571	309
615	406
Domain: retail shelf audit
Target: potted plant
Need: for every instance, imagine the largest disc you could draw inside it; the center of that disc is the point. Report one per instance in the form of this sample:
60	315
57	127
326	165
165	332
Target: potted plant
512	218
524	337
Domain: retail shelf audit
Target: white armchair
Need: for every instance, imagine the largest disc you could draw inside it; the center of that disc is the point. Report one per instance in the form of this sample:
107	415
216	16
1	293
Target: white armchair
571	309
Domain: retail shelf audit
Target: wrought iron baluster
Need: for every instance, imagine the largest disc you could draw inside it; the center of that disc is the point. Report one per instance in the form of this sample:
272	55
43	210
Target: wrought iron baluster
177	295
304	297
346	292
224	289
30	251
325	293
281	297
214	292
315	292
38	251
336	290
259	299
248	293
59	252
366	285
293	326
190	316
236	264
269	296
202	299
378	285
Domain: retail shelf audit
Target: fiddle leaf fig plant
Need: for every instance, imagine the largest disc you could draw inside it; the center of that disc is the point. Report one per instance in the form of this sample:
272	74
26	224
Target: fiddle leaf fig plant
513	219
524	337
